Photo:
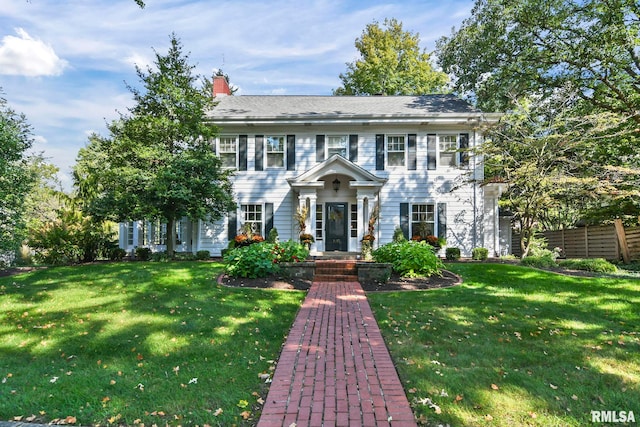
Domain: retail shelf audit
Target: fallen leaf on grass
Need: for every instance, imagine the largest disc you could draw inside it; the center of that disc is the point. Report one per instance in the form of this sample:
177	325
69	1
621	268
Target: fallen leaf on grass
555	387
495	387
245	415
218	412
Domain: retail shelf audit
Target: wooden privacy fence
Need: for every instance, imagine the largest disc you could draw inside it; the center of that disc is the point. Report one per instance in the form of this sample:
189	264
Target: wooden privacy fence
612	242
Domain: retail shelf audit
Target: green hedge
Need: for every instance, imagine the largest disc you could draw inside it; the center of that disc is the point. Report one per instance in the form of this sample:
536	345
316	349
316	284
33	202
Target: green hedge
409	258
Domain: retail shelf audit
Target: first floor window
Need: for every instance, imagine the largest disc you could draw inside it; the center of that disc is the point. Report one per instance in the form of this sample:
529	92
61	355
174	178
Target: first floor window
158	233
448	150
130	225
395	150
252	218
337	145
422	220
275	151
227	151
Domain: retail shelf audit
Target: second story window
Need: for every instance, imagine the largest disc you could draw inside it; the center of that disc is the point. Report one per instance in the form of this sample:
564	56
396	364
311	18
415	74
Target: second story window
275	151
448	150
396	150
227	150
337	145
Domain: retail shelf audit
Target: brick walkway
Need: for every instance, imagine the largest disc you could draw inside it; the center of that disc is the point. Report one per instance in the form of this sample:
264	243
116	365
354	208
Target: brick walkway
335	369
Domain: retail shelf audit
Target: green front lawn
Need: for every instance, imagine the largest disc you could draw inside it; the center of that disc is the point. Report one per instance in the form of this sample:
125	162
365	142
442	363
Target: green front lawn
516	346
137	343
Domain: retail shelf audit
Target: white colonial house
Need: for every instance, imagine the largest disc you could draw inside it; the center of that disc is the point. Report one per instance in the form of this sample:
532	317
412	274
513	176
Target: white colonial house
340	157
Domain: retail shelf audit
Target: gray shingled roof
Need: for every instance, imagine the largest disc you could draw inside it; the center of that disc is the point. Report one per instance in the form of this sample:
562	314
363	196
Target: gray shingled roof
274	107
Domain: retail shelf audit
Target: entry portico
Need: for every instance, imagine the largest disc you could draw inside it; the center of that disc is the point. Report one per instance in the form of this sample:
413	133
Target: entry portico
339	196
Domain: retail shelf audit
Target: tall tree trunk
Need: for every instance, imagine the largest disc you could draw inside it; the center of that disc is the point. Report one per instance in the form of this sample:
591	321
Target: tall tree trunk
171	237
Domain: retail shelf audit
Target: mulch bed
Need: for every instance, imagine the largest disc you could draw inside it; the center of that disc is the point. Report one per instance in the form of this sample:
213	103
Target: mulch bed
395	283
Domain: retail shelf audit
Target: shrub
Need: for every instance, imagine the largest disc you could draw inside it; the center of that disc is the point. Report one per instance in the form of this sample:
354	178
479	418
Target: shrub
398	235
273	235
290	251
162	256
409	258
71	237
143	254
480	254
262	259
117	254
203	255
541	257
544	261
452	254
598	265
257	260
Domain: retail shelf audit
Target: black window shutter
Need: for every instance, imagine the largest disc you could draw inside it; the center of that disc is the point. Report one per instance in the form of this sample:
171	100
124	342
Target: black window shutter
431	151
259	152
442	220
464	147
242	152
232	225
291	152
268	217
380	152
319	148
404	219
353	148
411	146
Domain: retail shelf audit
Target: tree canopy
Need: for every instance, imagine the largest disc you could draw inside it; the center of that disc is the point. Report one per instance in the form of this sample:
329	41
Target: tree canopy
391	63
509	53
16	179
508	49
158	162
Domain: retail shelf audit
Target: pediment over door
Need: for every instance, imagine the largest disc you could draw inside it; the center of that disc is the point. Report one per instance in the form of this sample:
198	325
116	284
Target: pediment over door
336	165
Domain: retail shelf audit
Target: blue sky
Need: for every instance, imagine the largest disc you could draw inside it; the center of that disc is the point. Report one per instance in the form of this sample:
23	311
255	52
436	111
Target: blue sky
64	64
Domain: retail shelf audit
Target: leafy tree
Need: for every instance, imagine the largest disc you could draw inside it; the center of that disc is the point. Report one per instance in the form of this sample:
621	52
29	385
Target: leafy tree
540	150
511	50
508	49
158	162
391	63
71	236
16	179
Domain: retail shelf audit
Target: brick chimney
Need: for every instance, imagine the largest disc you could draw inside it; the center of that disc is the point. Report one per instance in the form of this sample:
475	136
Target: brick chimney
220	86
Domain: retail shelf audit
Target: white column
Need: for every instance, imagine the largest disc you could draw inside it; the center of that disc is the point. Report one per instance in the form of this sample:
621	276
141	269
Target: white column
362	225
311	226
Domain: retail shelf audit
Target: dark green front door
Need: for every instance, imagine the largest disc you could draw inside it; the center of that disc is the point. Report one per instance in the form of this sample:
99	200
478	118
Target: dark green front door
336	228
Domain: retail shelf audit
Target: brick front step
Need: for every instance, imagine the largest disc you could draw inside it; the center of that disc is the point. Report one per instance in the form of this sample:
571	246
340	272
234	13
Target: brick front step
335	278
336	270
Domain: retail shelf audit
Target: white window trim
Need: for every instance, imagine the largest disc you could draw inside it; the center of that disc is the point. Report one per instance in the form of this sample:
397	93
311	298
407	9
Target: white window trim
243	219
434	206
456	154
386	150
266	152
219	150
326	148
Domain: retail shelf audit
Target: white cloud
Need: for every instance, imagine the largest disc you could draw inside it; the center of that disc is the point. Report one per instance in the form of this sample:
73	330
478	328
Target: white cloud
26	56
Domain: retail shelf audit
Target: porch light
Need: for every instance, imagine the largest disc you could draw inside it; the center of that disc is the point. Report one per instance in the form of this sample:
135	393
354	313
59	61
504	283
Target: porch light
336	184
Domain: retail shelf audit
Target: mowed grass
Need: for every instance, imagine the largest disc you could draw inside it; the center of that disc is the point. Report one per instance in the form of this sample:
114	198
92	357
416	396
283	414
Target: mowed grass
137	343
514	346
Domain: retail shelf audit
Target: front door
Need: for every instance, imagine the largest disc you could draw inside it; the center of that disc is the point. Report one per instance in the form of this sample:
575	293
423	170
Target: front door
336	228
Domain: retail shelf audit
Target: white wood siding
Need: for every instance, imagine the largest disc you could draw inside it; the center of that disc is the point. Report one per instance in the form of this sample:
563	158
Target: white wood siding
443	185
